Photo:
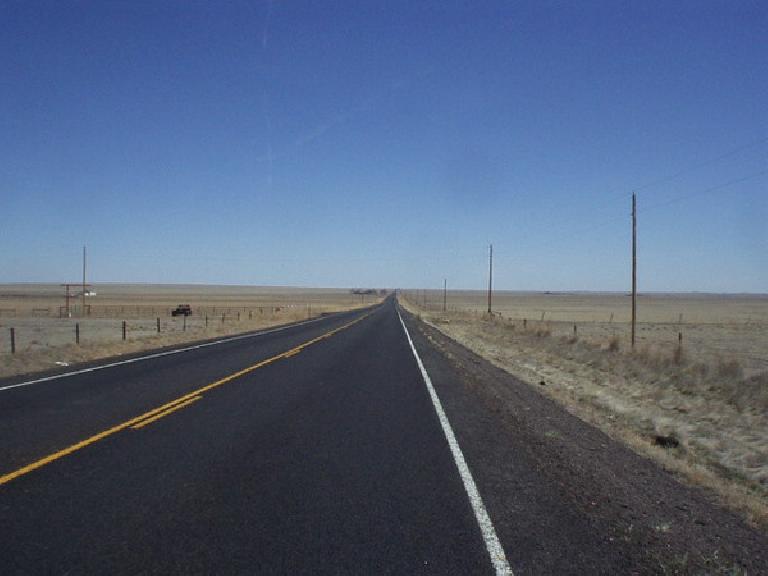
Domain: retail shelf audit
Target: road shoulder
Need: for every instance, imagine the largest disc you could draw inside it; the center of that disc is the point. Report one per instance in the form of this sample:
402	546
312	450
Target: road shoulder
565	496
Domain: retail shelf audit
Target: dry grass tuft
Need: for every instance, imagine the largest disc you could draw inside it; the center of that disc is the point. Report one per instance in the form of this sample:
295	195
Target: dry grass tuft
614	344
543	332
729	368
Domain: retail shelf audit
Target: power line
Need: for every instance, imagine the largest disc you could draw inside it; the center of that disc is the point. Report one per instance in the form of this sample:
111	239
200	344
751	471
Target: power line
675	175
618	219
732	152
706	190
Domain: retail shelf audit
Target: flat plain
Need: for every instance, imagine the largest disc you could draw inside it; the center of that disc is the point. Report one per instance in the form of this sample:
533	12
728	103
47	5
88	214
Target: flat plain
45	333
714	327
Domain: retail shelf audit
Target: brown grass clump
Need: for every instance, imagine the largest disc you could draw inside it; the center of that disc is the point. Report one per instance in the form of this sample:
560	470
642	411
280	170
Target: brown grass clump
729	368
614	345
543	332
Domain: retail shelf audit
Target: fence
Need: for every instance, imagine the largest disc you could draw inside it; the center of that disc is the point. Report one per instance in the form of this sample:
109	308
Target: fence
43	328
140	311
708	329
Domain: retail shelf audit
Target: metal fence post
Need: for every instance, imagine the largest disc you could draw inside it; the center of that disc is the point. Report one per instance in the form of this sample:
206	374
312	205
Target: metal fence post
124	329
13	340
77	332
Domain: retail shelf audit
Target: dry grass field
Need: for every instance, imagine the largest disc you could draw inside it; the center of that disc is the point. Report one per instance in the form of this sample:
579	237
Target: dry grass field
715	328
45	335
701	408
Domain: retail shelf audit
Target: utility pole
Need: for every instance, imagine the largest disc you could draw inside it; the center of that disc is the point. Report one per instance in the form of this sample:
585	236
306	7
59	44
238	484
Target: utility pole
490	277
634	266
82	312
445	288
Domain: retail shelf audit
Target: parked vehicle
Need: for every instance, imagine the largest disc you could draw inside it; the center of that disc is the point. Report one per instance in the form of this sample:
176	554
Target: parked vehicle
182	310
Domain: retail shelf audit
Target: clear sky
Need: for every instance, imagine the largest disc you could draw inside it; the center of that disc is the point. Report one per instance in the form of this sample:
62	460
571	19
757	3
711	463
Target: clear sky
385	143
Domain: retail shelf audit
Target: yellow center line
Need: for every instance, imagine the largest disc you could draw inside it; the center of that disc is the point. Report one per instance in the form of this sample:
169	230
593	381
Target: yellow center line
169	411
168	407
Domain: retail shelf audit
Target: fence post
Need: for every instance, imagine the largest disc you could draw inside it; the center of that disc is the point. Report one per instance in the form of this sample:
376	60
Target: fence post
250	314
13	340
574	331
525	323
222	318
206	320
124	329
184	328
238	316
158	325
77	332
678	356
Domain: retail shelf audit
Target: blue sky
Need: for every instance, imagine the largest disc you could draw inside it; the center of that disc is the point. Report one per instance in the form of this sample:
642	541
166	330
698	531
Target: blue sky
385	143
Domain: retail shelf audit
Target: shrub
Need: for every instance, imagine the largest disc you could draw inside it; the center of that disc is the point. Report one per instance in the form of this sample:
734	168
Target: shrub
613	344
729	369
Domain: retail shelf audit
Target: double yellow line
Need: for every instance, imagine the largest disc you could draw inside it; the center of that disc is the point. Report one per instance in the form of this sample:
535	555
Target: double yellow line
169	407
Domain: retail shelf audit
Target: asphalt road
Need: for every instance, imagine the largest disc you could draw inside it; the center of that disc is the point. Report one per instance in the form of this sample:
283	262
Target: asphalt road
315	449
327	459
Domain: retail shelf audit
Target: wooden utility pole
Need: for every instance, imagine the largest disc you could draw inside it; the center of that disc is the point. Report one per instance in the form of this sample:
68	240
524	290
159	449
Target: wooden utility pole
82	312
490	278
634	266
445	288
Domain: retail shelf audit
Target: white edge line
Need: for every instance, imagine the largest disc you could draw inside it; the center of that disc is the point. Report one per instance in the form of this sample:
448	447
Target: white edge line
158	355
492	543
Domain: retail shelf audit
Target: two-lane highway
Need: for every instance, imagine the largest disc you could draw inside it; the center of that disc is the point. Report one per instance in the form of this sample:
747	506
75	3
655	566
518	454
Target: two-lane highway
315	449
361	443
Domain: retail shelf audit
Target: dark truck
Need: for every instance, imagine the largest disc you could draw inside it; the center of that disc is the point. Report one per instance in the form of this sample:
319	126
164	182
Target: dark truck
182	310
